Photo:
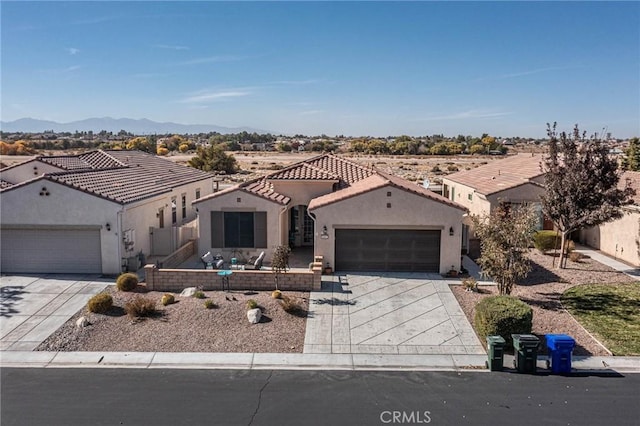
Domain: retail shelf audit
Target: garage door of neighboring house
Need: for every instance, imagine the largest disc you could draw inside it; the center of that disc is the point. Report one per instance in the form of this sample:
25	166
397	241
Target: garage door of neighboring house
387	250
51	251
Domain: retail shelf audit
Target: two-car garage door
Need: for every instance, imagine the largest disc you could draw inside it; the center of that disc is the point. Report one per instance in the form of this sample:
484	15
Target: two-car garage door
50	251
387	250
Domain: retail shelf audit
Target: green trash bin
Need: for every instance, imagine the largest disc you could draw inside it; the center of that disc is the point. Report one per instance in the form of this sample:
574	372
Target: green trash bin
525	348
495	351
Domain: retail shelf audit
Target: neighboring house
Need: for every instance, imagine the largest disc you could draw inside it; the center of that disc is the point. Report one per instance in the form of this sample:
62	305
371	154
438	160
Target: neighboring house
620	238
356	217
97	212
515	180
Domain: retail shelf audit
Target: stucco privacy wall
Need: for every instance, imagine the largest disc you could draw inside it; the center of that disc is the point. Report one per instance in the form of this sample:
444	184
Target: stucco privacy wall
143	214
27	171
179	279
247	203
63	207
407	211
620	238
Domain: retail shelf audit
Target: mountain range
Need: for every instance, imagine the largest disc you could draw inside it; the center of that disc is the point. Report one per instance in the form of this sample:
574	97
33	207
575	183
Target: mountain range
139	127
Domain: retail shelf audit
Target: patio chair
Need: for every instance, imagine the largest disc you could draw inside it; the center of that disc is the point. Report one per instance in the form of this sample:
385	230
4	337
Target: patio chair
256	264
211	261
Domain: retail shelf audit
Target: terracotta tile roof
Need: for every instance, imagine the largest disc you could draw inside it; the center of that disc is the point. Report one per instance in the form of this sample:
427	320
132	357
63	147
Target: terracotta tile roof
631	179
303	171
137	175
376	181
500	174
92	160
348	171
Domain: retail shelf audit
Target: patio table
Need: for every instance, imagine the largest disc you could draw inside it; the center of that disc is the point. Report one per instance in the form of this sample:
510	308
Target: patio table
224	274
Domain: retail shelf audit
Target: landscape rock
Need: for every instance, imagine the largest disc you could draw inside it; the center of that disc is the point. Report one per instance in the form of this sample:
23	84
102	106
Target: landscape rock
254	315
82	322
188	292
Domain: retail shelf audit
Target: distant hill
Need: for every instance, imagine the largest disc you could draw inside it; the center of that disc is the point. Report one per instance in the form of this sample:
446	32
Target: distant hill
138	127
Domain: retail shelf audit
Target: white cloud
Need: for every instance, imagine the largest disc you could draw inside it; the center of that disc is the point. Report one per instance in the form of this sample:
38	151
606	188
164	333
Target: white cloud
212	59
311	112
72	50
209	96
524	73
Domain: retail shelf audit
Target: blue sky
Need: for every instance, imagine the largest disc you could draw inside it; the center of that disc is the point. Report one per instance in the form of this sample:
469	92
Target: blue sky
368	68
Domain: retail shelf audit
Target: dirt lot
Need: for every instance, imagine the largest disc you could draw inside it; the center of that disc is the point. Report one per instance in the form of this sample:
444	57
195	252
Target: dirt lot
542	290
187	326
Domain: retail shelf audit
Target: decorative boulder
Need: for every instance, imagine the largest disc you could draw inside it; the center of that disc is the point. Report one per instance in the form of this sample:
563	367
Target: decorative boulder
82	322
254	315
188	292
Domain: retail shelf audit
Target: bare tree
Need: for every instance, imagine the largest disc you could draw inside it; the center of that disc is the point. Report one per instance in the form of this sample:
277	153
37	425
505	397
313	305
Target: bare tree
505	237
581	183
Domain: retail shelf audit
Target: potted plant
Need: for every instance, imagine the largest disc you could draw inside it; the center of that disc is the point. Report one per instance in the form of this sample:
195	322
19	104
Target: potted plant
328	270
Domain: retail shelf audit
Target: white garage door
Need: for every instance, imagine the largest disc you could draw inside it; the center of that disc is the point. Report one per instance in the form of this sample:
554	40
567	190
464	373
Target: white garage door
51	251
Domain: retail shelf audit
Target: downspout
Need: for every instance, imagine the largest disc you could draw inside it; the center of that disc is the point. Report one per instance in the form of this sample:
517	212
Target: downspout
119	235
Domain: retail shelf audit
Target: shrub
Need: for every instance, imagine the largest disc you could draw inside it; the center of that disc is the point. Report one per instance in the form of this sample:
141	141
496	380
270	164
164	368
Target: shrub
251	304
140	307
168	299
210	304
502	315
100	303
574	256
161	150
199	295
546	240
127	282
292	306
470	284
276	294
452	168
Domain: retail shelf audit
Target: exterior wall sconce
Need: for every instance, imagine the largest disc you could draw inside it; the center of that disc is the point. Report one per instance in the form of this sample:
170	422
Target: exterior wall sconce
108	226
451	231
325	233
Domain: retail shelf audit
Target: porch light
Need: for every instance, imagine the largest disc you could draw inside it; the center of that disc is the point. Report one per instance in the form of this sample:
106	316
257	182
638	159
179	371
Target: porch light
325	233
451	231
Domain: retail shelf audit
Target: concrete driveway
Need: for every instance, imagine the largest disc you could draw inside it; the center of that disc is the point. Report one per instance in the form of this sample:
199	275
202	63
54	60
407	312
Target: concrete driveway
33	307
388	313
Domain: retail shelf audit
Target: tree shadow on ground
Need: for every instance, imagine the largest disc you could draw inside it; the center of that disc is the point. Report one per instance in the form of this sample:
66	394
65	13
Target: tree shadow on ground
624	308
333	301
552	302
539	275
9	295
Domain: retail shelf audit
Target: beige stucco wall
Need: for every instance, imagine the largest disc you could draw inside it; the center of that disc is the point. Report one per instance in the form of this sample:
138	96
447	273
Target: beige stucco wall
25	171
64	207
620	238
477	205
142	215
303	191
407	211
528	193
276	235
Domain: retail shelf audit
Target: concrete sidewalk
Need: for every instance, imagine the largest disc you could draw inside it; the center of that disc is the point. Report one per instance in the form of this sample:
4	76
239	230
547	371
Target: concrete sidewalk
609	261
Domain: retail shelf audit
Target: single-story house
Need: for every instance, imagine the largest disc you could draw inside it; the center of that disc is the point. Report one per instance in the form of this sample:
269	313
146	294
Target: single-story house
515	180
97	212
619	238
358	218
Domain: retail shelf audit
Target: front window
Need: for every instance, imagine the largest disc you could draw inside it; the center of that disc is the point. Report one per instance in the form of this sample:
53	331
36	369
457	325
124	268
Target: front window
238	229
184	206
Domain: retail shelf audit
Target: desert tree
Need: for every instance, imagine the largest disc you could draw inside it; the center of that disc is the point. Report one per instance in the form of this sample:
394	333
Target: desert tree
214	159
280	262
581	184
505	236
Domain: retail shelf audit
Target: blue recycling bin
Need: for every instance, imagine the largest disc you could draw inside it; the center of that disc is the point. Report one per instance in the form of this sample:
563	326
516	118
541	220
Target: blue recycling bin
560	347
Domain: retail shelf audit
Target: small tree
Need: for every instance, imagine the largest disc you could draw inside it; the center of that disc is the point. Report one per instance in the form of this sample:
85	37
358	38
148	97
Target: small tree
581	184
505	236
214	159
280	261
631	161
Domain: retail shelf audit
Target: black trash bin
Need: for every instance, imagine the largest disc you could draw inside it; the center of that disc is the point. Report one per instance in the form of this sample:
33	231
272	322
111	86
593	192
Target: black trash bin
525	348
560	347
495	351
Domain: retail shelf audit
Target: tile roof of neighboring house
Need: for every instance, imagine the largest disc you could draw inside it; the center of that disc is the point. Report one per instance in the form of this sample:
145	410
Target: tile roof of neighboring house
631	179
376	181
500	174
137	175
92	160
303	171
4	184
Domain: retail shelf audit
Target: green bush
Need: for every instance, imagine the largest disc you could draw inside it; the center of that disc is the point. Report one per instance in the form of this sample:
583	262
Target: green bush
168	299
140	307
276	294
251	304
546	240
199	295
100	303
127	282
210	304
502	315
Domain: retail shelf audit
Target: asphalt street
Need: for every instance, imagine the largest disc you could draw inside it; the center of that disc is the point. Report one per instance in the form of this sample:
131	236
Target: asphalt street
35	396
